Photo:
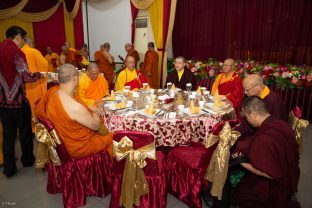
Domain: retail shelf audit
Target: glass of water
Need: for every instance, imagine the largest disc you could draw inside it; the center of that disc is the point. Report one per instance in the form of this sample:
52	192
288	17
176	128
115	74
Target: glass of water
169	85
188	87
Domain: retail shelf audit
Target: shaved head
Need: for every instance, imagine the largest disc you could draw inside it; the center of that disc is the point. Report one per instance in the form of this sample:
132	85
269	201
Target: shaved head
130	62
29	41
128	46
228	65
253	85
93	71
66	73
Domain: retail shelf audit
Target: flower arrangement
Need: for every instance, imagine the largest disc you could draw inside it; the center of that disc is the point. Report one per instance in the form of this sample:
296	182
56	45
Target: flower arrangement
288	76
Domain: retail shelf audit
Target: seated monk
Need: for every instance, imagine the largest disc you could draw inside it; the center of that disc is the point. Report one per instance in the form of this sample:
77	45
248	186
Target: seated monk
273	167
92	86
130	76
77	124
181	76
229	84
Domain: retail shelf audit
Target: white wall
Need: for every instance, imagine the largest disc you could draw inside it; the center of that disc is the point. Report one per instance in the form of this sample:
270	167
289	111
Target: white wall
108	21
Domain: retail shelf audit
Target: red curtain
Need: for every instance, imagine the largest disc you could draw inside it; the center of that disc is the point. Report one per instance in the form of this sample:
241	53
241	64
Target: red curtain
78	28
266	30
50	32
134	13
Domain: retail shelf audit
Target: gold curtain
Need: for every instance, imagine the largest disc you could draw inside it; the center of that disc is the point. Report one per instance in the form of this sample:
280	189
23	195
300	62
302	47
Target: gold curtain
5	24
38	16
169	39
156	17
12	11
69	28
142	4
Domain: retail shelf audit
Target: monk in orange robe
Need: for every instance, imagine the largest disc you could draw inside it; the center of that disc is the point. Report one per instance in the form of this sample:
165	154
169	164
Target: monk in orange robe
150	67
92	86
53	59
106	62
230	85
36	63
131	52
78	125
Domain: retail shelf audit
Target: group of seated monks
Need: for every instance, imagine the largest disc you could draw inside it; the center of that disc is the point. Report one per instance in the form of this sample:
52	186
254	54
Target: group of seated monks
266	151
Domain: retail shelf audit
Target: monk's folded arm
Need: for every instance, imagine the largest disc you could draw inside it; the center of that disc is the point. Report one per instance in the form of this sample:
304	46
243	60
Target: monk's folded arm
86	118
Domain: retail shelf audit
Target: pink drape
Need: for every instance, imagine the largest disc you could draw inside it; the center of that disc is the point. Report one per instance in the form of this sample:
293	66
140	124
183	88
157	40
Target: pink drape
134	13
50	32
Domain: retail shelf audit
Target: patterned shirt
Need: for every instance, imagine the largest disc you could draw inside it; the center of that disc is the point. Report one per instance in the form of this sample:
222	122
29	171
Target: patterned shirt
13	75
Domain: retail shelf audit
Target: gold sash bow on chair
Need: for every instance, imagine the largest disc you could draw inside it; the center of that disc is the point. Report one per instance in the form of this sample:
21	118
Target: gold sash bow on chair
46	150
218	166
298	125
134	182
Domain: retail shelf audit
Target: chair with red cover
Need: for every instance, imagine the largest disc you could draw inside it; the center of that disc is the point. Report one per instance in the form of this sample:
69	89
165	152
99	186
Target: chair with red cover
187	166
154	171
77	178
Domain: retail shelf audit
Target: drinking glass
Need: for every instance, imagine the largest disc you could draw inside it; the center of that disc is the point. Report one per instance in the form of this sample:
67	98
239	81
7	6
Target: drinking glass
169	85
188	87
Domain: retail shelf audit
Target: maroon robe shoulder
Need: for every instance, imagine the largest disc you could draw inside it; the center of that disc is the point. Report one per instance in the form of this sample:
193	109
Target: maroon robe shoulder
187	77
275	106
274	151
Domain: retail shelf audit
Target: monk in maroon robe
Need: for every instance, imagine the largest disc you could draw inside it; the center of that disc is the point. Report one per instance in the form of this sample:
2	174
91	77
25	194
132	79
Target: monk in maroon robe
229	84
254	86
273	167
181	75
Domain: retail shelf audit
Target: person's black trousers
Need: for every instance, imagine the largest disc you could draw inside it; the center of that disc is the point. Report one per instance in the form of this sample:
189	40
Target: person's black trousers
13	118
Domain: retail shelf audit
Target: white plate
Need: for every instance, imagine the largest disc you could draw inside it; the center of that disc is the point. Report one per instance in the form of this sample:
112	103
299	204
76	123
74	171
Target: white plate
210	105
118	98
111	106
187	111
142	112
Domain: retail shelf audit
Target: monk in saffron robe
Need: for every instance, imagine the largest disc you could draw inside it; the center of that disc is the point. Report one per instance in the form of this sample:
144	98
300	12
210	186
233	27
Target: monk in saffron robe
181	76
92	86
273	167
130	76
53	59
150	67
106	62
77	124
36	63
131	52
63	55
230	85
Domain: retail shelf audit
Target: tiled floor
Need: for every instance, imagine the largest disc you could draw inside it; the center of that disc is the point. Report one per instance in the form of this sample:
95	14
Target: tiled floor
28	187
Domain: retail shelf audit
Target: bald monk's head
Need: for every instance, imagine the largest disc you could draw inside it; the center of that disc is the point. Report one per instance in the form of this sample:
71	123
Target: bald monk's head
254	110
67	44
68	76
130	62
49	50
253	85
64	50
151	46
29	42
228	66
179	63
93	71
128	46
106	46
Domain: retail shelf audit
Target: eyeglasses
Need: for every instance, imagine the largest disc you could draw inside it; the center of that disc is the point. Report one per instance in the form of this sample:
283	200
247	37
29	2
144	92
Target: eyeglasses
246	90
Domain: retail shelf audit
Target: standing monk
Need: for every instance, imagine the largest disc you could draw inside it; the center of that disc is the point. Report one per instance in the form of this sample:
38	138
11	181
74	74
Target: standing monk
106	62
150	67
53	59
92	86
131	52
229	84
78	125
273	167
36	63
63	55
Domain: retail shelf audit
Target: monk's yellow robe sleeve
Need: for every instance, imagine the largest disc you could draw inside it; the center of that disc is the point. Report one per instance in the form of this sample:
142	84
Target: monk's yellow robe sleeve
84	83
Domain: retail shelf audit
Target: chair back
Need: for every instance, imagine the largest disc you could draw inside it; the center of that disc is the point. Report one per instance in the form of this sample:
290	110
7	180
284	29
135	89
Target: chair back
139	139
218	127
60	148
